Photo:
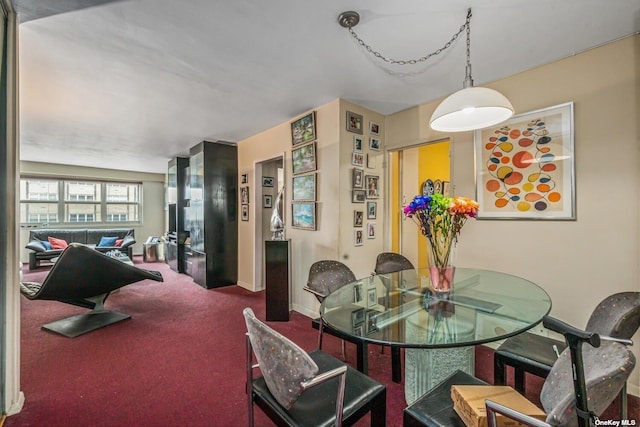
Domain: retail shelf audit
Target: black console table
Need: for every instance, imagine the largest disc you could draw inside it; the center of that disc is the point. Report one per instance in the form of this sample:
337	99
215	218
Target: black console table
277	276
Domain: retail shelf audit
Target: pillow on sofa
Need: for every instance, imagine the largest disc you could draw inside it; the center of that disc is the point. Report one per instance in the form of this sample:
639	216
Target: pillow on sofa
119	242
57	243
107	241
46	244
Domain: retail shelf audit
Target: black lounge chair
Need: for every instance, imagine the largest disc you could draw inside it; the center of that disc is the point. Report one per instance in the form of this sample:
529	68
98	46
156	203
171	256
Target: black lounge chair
85	277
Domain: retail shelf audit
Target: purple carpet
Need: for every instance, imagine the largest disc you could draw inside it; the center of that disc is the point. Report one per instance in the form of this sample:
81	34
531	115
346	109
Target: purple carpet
180	360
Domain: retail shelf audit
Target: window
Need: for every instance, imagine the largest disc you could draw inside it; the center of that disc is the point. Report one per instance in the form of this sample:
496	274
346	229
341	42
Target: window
53	201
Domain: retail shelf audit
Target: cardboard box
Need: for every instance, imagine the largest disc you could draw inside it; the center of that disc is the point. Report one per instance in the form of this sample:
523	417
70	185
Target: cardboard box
468	402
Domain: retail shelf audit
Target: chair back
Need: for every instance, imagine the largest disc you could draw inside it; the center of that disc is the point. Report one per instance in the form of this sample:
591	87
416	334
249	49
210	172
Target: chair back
390	262
326	276
606	370
283	364
616	316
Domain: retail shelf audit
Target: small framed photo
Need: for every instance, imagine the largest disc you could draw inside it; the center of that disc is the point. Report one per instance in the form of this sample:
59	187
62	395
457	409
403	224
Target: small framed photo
303	215
357	159
244	179
370	319
374	144
358	238
358	218
371	230
357	295
357	317
244	195
374	128
446	188
371	186
267	201
244	212
372	210
358	196
357	178
357	330
372	297
304	129
354	122
267	181
357	144
304	187
303	159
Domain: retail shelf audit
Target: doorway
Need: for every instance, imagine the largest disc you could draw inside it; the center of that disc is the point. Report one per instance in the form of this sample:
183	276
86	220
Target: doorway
415	170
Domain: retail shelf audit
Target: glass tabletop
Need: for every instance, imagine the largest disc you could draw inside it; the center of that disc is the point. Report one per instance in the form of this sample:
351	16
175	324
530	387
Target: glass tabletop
401	309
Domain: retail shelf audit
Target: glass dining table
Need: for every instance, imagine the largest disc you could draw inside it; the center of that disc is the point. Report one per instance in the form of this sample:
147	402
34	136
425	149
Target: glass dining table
438	330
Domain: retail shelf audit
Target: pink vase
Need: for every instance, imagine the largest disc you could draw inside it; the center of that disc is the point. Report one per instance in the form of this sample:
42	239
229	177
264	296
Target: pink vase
442	278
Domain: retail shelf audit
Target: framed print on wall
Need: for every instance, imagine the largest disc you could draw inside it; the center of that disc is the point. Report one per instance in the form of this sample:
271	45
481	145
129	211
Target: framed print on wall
303	215
304	187
372	210
357	159
374	128
357	144
244	212
371	186
267	181
358	196
354	122
358	218
371	230
303	159
267	201
244	195
304	129
525	166
357	178
374	144
358	238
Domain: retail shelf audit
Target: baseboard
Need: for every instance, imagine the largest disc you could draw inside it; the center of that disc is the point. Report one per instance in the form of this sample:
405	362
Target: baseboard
305	311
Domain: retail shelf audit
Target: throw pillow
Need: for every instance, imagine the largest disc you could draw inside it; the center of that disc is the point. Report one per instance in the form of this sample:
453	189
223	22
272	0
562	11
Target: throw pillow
119	242
46	244
57	243
107	241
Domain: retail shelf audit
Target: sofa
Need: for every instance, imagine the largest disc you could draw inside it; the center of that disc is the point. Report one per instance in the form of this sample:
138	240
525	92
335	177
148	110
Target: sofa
47	244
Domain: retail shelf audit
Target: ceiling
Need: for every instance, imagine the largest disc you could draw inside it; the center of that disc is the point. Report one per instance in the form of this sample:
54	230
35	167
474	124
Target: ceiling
130	84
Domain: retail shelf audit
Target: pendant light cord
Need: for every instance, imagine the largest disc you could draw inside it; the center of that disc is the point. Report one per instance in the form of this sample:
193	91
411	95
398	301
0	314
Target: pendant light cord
388	60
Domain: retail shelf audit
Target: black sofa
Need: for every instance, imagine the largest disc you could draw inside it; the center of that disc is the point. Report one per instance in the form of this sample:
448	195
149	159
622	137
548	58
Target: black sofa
90	237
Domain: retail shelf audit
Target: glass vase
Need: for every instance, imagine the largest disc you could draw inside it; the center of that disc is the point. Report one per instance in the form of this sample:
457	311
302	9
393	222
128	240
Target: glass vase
441	258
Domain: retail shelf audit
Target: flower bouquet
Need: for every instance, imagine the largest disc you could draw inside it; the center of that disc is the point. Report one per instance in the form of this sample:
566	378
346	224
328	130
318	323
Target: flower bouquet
440	220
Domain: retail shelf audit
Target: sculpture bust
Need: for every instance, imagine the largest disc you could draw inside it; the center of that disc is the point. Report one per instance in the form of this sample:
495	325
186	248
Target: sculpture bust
277	222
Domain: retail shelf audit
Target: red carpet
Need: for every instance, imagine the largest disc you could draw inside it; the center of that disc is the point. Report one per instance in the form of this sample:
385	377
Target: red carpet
178	362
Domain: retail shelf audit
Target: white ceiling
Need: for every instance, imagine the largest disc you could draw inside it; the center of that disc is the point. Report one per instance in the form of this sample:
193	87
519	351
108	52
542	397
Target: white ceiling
130	84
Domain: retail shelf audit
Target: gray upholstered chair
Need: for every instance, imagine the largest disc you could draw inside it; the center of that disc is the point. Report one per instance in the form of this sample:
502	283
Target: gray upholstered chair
602	368
312	389
85	277
391	262
326	276
617	316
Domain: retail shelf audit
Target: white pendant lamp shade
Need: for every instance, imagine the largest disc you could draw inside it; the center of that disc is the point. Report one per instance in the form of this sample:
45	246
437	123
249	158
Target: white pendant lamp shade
471	108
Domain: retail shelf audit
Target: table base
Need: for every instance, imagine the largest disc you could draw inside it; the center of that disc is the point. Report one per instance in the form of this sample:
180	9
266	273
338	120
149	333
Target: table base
424	369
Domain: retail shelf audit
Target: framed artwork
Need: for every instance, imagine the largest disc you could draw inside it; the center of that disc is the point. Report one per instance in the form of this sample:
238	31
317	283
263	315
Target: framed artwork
244	195
525	166
303	215
371	230
358	218
267	181
358	238
357	144
304	187
374	144
245	179
244	212
372	210
372	297
357	295
357	159
304	129
371	186
357	330
446	188
267	201
303	159
358	196
370	320
354	122
374	128
357	178
357	316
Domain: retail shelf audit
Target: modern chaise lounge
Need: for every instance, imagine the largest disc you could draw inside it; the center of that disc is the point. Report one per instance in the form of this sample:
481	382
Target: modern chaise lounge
85	277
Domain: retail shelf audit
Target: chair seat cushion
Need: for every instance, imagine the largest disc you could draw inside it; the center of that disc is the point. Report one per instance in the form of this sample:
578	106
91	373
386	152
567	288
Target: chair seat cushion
316	406
435	407
530	349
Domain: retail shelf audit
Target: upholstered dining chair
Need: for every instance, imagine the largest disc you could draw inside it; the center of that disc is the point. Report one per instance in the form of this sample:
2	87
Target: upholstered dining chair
326	276
601	369
391	262
311	389
617	316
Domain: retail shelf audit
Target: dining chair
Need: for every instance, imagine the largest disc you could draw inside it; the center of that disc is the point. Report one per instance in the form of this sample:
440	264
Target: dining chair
601	370
325	277
391	262
297	388
617	316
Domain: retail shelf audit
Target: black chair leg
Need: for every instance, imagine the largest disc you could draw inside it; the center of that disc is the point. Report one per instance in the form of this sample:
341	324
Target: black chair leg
362	361
379	410
498	370
518	376
396	365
